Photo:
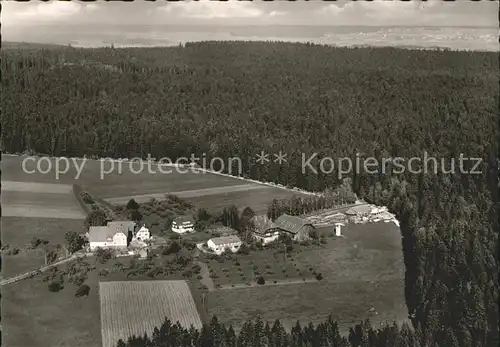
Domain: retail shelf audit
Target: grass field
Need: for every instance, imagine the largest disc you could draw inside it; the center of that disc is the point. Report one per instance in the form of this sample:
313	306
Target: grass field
203	189
35	317
137	307
361	271
18	232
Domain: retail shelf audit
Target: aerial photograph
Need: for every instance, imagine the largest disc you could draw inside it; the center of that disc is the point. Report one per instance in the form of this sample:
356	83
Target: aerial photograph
250	174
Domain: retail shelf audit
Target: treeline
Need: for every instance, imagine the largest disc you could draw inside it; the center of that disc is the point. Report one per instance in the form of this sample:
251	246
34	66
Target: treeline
257	333
238	99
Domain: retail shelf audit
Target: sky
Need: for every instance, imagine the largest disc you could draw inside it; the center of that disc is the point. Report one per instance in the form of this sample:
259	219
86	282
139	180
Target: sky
22	21
18	15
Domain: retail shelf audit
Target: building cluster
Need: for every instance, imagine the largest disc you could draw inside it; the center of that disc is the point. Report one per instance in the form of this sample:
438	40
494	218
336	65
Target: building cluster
117	235
120	235
268	231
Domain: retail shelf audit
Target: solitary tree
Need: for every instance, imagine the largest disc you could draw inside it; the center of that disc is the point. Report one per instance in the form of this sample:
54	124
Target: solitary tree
95	218
136	216
132	205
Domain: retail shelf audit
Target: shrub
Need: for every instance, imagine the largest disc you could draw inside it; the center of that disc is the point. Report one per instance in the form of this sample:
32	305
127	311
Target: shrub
83	290
319	277
86	198
103	272
103	255
55	286
132	205
275	281
261	280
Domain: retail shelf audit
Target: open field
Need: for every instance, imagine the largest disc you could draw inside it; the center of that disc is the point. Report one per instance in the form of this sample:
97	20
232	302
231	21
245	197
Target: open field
188	193
18	232
258	200
147	305
362	270
204	189
59	319
38	204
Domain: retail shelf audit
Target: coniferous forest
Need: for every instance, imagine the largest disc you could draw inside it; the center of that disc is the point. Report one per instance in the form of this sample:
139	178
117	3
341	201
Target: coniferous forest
238	99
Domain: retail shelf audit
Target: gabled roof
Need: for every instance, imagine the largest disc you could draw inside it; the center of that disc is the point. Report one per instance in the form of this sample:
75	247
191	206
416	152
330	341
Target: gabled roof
184	220
363	209
143	228
263	224
105	233
292	224
224	240
127	224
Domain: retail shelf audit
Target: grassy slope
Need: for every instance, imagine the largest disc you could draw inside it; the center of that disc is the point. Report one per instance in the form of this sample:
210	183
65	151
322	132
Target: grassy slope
18	232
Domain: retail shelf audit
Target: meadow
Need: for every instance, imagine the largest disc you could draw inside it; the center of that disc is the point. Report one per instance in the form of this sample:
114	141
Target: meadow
361	271
147	305
17	232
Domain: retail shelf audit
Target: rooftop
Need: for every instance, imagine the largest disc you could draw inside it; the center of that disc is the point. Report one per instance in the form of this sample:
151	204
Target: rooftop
104	233
262	224
363	209
127	224
224	240
184	220
292	224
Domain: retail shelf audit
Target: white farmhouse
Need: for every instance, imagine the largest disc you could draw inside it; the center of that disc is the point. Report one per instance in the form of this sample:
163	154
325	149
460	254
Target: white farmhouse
264	229
114	236
220	244
183	224
143	234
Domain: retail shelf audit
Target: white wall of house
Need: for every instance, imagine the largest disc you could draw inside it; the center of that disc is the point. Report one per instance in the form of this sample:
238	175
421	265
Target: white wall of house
219	249
183	228
119	240
267	238
143	234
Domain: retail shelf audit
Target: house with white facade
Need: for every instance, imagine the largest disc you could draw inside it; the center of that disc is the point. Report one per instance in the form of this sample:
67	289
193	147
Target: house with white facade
114	236
264	229
219	244
143	234
183	224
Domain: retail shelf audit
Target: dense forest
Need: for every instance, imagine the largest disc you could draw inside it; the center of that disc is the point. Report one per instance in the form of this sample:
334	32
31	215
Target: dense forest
238	99
259	334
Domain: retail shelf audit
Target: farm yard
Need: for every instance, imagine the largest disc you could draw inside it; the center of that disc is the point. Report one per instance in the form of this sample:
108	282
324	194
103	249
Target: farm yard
148	303
363	276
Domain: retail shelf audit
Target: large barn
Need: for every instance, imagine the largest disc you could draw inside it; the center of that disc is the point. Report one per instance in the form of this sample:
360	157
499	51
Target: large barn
299	229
